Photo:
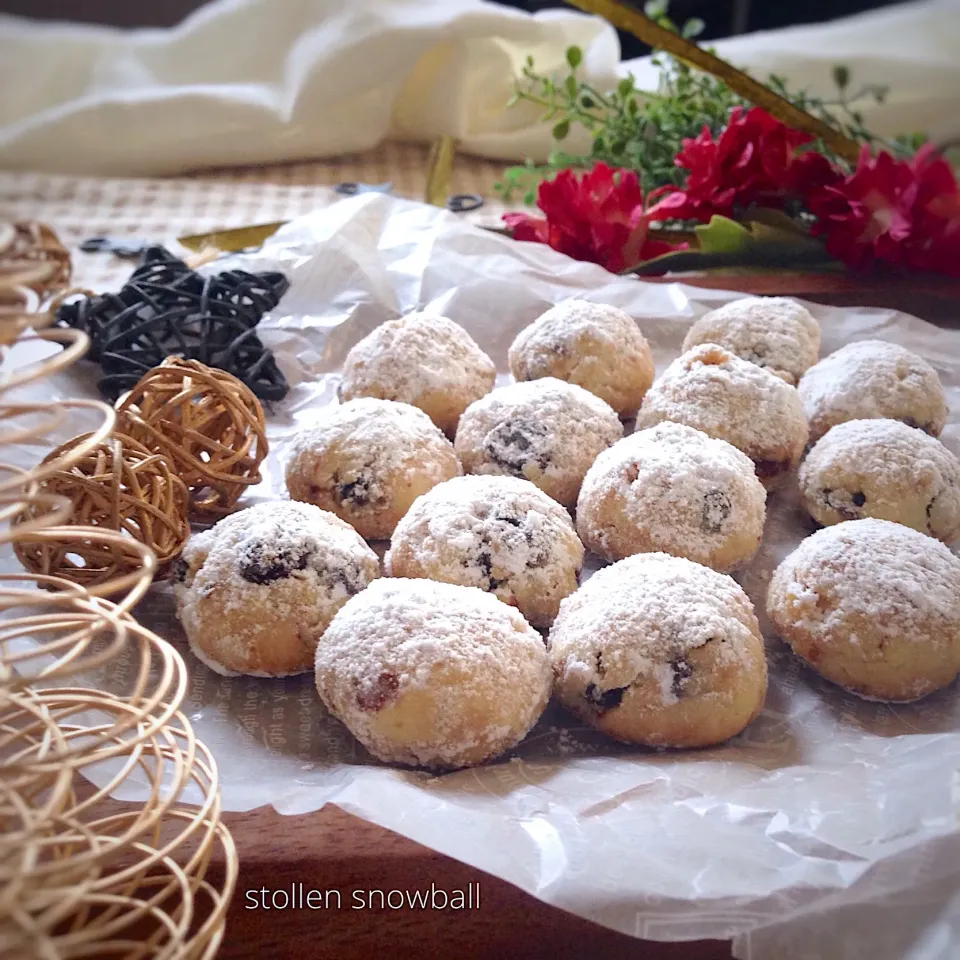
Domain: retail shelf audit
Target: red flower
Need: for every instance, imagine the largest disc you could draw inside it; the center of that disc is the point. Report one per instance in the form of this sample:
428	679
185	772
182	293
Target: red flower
598	217
755	160
900	212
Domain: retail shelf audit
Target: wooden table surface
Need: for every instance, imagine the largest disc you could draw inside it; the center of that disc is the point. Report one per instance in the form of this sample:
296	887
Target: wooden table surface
331	850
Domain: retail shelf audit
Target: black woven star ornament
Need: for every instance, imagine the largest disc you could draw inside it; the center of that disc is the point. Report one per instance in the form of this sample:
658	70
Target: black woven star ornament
166	309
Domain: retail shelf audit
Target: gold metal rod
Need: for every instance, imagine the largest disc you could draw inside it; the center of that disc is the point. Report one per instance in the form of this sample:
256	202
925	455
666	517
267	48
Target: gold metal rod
439	171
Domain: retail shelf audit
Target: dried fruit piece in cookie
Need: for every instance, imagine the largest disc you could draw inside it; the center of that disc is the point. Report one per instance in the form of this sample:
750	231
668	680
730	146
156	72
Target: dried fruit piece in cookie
873	606
255	591
432	674
662	651
367	461
886	470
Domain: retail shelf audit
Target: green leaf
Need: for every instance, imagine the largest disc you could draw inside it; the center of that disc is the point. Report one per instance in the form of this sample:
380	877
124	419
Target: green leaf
570	86
529	61
561	129
722	235
574	57
776	219
693	28
587	102
655	9
728	245
841	76
625	87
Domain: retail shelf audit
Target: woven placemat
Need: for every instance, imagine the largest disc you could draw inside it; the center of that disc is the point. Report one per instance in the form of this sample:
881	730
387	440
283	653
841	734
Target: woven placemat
163	209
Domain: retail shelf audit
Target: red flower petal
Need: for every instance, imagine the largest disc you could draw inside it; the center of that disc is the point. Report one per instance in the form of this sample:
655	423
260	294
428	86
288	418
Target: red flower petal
899	212
598	216
754	160
525	227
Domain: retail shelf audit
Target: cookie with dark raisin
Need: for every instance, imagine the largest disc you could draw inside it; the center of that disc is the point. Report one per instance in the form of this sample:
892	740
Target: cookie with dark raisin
661	651
883	469
674	489
729	398
427	361
256	590
367	461
432	674
546	431
500	534
593	345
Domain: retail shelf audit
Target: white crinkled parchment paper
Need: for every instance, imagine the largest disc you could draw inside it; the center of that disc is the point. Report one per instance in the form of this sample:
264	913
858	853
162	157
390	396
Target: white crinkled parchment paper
829	828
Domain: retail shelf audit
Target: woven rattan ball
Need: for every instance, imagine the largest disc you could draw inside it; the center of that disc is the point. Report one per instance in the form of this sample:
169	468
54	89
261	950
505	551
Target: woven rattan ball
207	423
118	485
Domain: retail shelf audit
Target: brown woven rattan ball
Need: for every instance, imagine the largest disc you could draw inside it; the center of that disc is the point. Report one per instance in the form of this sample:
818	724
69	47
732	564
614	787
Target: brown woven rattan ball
207	423
118	485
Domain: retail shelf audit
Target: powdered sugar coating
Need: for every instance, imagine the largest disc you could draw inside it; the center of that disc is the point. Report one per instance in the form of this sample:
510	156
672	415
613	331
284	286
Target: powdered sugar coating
673	489
593	345
710	389
255	591
367	461
432	674
775	333
500	534
873	606
429	362
872	379
886	470
659	650
546	431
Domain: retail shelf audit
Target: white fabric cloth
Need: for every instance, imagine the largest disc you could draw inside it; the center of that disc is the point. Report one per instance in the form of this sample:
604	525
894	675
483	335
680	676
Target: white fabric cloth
261	81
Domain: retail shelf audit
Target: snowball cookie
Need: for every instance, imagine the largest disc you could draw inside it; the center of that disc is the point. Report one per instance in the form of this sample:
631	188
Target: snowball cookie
367	461
873	606
734	400
595	346
871	379
500	534
775	333
547	431
660	650
255	591
673	489
432	674
429	362
883	469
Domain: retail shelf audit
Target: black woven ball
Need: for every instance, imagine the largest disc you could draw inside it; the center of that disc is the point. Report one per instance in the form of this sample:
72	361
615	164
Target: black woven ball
166	309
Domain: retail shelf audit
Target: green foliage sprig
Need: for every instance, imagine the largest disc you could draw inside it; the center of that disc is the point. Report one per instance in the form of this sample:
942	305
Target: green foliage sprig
643	131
